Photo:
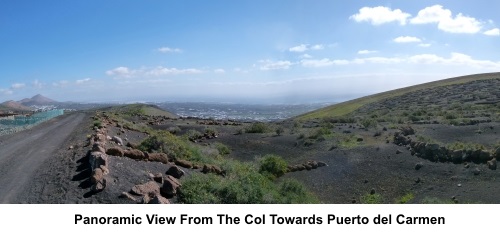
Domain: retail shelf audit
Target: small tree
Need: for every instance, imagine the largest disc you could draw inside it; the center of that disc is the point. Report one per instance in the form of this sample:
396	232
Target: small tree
280	130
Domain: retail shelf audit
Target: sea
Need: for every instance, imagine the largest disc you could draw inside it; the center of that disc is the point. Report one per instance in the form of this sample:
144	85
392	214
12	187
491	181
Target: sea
240	112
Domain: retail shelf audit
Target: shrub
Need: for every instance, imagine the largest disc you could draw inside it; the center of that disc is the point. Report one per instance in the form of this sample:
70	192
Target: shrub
257	127
242	184
371	198
405	198
167	143
273	165
280	130
369	123
223	149
193	135
97	123
320	133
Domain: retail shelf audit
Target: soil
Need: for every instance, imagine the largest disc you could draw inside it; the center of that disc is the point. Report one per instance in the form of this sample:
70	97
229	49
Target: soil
49	163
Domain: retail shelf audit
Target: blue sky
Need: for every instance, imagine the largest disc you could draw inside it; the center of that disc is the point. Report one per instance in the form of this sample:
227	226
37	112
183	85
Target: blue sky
239	51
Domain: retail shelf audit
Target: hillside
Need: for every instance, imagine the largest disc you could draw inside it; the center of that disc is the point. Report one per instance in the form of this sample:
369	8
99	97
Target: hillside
345	108
13	106
37	100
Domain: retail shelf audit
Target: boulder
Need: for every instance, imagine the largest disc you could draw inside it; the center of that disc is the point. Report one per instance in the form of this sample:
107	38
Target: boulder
492	164
322	164
97	176
175	171
497	153
117	140
98	147
170	187
399	151
207	168
418	166
128	196
115	151
97	159
150	187
104	169
408	130
183	163
157	157
158	199
134	154
99	186
158	177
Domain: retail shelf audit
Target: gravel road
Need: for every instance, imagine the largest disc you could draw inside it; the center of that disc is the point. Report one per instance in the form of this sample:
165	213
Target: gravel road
22	154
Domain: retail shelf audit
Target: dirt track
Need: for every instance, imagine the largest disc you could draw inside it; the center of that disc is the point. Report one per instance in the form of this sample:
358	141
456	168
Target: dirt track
23	154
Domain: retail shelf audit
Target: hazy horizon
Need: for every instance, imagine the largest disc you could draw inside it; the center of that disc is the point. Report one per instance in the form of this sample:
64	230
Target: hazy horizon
255	52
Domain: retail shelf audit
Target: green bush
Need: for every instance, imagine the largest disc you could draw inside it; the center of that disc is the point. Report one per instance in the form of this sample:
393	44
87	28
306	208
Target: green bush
242	184
97	123
223	149
321	132
280	130
371	198
273	165
257	127
405	198
168	143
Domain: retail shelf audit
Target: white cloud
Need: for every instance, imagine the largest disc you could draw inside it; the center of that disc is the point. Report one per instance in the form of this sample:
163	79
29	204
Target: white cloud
18	85
37	84
455	59
83	81
6	91
380	15
219	71
493	32
299	48
62	83
322	62
305	47
425	45
266	65
317	47
306	56
161	71
125	72
119	71
169	50
445	20
406	39
367	51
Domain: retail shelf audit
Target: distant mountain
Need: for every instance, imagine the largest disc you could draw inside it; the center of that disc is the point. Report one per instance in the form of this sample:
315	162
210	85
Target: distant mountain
13	106
37	100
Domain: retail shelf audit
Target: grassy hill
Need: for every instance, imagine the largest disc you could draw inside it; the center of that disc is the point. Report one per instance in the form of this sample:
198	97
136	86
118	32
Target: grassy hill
348	107
142	109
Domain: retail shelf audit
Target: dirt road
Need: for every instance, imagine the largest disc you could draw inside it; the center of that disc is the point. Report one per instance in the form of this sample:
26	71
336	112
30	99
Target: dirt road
23	154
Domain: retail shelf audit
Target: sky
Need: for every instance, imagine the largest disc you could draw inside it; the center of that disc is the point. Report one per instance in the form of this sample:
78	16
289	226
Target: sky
260	51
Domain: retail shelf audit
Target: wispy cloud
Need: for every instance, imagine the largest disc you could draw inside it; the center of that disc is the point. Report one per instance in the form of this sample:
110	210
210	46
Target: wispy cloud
219	71
305	47
61	83
493	32
83	81
424	45
125	72
455	59
367	51
380	15
37	84
169	50
119	72
162	71
266	65
18	85
446	21
406	39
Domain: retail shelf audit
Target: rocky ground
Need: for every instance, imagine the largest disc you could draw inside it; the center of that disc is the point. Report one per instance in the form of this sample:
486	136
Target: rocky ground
435	161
